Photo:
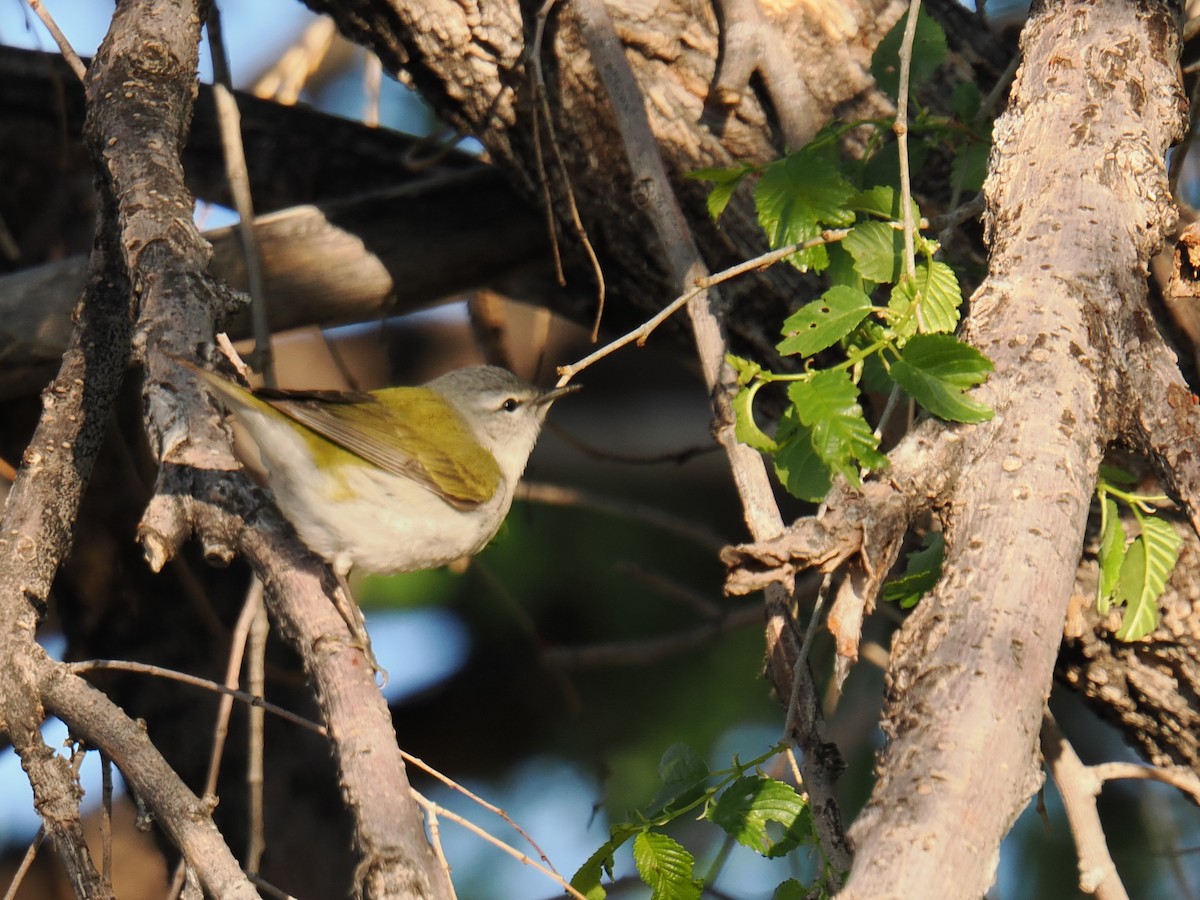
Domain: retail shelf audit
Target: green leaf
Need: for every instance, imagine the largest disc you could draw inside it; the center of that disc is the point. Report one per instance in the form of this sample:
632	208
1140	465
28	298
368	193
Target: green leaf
797	465
749	808
745	429
842	270
1112	554
725	182
797	197
967	100
1116	475
599	864
878	250
937	370
921	573
828	404
929	49
969	168
666	867
883	200
936	295
745	369
1144	573
790	890
824	322
684	776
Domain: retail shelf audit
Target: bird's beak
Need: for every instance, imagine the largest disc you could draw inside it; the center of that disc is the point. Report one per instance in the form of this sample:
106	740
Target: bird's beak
553	394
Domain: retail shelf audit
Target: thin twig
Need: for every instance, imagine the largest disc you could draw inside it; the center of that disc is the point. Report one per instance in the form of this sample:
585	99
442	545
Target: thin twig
479	801
229	122
557	495
256	654
123	665
646	651
64	46
643	331
801	664
1176	776
542	106
233	667
441	811
901	130
26	864
1078	787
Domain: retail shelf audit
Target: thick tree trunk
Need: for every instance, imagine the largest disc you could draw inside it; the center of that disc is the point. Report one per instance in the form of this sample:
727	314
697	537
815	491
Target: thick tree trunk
1071	236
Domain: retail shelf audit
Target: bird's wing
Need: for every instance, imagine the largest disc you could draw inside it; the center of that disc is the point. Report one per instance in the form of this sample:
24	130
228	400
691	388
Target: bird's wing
414	434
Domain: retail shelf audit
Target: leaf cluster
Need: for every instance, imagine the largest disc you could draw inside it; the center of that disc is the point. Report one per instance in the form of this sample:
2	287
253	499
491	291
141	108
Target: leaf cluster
886	319
759	812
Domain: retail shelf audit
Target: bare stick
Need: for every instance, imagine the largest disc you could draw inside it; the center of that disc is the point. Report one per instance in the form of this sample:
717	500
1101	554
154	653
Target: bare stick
701	285
901	129
1078	788
516	854
64	46
26	864
124	665
255	738
1176	776
230	123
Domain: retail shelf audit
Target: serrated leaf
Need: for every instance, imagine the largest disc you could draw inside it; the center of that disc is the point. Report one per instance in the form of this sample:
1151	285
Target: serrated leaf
752	805
828	405
921	573
937	370
877	249
797	465
1144	573
797	197
666	867
824	322
935	292
587	879
929	49
745	429
684	777
1112	554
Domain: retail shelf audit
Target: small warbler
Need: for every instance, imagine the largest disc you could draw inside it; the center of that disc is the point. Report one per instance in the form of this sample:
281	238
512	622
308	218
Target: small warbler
398	479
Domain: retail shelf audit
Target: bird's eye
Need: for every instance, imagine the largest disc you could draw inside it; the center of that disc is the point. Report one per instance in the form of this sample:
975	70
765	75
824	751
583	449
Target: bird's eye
510	405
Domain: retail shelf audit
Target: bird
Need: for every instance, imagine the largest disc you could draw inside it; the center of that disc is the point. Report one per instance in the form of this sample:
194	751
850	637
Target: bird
398	479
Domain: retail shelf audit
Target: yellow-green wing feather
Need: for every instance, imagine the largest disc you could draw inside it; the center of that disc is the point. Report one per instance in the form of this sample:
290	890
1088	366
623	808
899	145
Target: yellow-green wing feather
408	431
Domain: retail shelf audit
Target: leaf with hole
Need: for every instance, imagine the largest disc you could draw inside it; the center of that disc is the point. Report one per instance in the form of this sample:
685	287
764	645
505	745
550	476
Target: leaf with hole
763	814
824	322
